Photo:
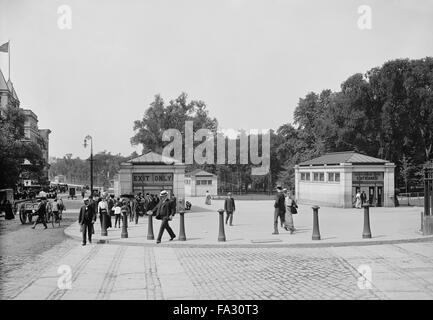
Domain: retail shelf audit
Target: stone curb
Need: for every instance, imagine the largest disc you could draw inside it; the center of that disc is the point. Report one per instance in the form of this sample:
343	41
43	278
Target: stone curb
316	244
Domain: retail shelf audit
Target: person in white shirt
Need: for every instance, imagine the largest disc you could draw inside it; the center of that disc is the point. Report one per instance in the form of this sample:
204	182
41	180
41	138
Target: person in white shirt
102	209
117	215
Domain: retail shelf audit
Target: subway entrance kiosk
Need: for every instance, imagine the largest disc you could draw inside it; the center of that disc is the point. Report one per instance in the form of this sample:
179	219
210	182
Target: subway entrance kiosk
334	179
151	173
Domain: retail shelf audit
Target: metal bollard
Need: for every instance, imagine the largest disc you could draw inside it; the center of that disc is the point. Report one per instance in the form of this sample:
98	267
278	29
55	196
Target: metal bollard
422	221
367	232
150	235
316	231
221	235
182	236
104	225
124	233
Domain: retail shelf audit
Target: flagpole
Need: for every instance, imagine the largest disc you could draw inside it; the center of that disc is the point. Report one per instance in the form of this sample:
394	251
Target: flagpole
9	51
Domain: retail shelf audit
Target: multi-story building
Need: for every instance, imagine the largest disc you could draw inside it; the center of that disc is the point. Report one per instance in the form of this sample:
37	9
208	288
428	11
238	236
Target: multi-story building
8	96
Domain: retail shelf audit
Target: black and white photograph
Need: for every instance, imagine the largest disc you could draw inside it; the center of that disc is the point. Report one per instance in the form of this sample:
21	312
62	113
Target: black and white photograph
216	154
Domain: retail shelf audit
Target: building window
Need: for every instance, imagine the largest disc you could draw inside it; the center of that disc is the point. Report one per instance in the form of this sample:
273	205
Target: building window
305	176
334	177
209	182
318	176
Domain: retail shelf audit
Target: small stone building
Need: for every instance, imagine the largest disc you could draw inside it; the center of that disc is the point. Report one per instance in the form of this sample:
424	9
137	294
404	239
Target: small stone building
334	179
197	182
151	173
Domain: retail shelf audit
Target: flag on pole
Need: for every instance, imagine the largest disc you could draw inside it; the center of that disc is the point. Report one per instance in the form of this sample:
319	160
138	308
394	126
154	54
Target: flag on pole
4	47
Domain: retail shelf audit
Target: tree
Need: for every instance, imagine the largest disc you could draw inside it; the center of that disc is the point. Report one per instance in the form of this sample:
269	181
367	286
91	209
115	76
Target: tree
160	117
14	150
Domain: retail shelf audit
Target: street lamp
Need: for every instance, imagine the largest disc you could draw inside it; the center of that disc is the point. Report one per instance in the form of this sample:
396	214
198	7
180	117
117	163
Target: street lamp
88	137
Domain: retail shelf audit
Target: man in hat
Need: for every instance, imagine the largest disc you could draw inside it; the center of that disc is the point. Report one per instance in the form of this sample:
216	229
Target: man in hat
86	219
229	207
164	212
279	208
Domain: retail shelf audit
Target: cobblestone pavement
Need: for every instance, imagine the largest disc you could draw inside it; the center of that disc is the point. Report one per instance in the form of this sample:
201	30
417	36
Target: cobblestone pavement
101	271
26	253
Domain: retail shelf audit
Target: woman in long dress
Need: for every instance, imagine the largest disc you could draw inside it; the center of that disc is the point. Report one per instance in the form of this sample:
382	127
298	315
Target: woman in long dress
208	198
358	200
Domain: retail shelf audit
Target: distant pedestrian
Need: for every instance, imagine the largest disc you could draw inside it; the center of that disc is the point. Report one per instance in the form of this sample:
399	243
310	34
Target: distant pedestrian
208	198
363	198
111	204
117	214
86	219
229	207
358	200
41	211
163	212
279	209
9	214
133	209
103	210
291	208
125	211
83	193
56	210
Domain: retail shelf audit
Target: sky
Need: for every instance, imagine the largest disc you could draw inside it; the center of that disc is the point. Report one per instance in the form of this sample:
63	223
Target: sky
249	60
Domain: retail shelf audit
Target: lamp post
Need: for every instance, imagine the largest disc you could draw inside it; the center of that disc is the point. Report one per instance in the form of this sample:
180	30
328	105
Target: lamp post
88	137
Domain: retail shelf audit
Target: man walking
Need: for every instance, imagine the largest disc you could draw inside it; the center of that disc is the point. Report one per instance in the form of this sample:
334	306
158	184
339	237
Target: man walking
164	213
279	208
229	208
42	213
86	219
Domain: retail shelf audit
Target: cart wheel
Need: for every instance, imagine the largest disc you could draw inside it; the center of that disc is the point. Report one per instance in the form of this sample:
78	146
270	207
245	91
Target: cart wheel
23	216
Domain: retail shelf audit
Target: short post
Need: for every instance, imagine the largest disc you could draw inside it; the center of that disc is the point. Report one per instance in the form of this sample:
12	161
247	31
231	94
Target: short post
422	221
367	232
150	235
104	225
124	233
316	231
221	235
182	236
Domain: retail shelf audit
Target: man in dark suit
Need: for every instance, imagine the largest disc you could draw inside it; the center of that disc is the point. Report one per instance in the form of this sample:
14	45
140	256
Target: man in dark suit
86	219
163	212
279	208
229	207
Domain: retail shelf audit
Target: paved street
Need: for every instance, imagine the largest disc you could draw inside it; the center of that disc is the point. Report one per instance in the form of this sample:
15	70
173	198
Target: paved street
177	270
24	249
402	271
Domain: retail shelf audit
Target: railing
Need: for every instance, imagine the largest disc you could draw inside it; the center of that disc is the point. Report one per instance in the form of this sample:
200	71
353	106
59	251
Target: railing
411	199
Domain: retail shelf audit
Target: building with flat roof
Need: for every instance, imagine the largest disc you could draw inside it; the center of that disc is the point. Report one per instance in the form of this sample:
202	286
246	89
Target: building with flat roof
334	179
151	173
198	181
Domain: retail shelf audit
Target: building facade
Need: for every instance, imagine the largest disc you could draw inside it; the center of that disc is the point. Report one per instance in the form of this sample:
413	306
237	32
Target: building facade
151	173
8	96
197	182
335	178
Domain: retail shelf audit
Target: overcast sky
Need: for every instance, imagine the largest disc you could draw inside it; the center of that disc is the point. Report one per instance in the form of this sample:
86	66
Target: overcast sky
249	60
